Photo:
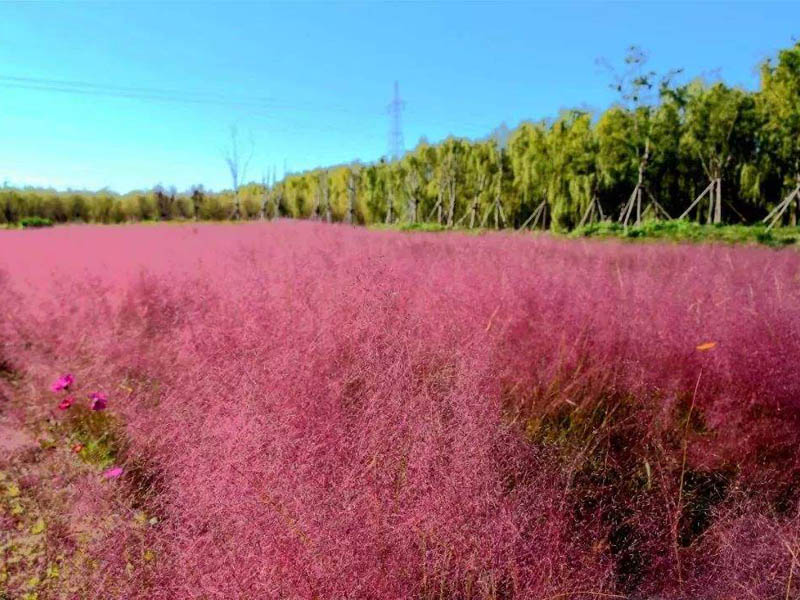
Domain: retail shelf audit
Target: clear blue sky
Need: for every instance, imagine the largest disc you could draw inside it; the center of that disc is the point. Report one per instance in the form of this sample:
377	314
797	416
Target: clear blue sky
311	81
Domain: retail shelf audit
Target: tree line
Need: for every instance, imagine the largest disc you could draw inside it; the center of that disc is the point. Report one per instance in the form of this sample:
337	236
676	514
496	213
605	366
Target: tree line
707	152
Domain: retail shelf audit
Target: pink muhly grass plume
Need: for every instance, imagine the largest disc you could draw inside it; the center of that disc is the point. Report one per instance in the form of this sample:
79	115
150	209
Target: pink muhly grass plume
113	473
98	401
66	403
63	382
419	416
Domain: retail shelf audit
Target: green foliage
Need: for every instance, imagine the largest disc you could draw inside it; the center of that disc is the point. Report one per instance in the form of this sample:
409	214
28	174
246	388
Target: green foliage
687	231
32	222
423	227
673	140
98	433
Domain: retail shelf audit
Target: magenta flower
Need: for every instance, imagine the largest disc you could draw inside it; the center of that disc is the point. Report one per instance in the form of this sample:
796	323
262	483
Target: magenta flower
113	473
99	401
63	382
66	403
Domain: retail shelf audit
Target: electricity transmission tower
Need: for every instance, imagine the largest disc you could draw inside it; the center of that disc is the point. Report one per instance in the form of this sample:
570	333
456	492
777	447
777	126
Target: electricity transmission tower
395	109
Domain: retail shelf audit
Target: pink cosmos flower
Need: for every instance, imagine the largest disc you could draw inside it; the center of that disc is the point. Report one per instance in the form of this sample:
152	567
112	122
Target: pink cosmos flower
99	401
63	382
113	473
66	403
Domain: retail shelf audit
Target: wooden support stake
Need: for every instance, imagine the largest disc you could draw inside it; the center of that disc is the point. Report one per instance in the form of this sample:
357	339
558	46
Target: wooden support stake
696	200
538	212
528	220
631	204
781	208
658	206
586	213
433	210
639	206
485	216
627	207
778	207
464	216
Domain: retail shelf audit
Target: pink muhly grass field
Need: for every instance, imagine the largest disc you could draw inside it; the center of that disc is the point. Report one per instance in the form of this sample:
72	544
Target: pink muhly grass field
319	411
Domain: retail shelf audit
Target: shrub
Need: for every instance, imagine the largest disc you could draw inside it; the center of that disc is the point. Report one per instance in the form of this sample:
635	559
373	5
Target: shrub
32	222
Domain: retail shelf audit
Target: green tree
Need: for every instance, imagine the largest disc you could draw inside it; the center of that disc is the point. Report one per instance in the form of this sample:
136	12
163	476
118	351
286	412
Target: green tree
528	153
779	105
720	132
572	173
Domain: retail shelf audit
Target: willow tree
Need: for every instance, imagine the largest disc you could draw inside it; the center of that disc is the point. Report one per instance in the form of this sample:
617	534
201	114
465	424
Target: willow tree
720	132
479	171
625	147
495	173
625	135
779	103
297	195
450	173
395	177
375	183
412	173
617	157
529	157
669	174
571	180
353	181
422	186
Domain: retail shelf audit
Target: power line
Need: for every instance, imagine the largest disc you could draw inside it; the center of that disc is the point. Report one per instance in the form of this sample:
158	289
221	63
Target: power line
261	107
145	93
258	109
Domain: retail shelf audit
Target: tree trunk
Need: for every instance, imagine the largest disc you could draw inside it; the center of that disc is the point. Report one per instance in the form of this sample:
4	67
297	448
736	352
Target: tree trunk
264	201
351	197
389	207
640	182
639	205
314	205
472	212
412	206
237	213
796	203
451	207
